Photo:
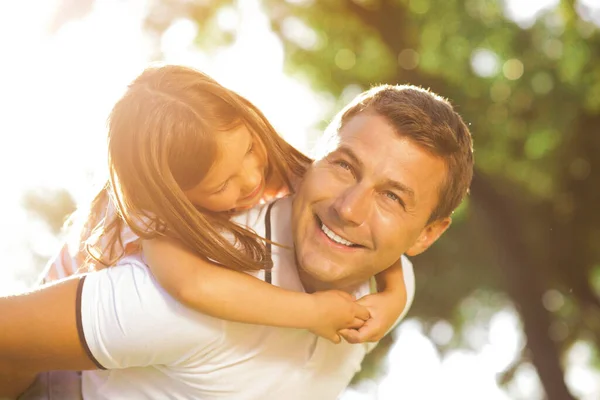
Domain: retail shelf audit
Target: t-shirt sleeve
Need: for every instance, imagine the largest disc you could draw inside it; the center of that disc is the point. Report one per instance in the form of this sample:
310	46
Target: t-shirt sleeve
409	283
125	319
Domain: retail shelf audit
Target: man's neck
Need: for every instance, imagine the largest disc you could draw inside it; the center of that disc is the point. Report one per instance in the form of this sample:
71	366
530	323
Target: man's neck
312	285
307	282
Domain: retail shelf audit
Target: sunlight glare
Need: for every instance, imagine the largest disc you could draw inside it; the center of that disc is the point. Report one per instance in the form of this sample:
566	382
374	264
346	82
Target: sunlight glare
505	339
580	375
525	13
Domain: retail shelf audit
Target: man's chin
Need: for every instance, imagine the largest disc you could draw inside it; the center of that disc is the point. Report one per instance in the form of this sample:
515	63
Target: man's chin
317	279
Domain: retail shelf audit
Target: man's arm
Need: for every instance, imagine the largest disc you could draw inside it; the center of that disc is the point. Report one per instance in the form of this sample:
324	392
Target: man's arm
14	382
115	318
38	332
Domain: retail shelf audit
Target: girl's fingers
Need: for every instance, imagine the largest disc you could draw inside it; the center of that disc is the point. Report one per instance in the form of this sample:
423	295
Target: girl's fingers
361	312
357	323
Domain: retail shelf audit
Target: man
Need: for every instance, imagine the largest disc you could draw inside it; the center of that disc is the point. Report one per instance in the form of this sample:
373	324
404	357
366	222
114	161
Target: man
395	163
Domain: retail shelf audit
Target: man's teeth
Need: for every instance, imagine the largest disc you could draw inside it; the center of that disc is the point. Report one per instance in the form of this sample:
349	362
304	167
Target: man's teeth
336	238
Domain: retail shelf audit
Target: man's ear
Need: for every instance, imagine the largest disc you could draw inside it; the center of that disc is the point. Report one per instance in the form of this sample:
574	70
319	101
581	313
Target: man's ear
429	235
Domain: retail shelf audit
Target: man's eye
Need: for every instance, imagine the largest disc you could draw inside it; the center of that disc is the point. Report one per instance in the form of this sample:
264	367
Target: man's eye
344	164
394	197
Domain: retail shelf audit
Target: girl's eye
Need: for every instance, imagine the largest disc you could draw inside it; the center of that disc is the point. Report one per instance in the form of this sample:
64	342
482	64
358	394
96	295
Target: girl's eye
222	188
251	149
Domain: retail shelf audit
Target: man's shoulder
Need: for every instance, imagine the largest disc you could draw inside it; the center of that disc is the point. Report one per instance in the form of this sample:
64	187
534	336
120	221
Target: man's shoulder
129	320
130	281
409	283
255	217
133	267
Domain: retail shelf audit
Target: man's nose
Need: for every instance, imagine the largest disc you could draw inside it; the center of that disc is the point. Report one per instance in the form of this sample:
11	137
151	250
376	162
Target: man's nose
353	205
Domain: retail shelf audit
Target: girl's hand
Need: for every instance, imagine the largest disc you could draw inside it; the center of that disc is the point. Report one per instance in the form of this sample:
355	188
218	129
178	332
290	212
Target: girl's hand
384	308
334	311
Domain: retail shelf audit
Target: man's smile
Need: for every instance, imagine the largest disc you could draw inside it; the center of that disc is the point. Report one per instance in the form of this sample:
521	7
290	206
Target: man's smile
333	238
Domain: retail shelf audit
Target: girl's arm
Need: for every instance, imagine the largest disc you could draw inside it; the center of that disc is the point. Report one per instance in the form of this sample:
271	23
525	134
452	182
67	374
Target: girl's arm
227	294
385	307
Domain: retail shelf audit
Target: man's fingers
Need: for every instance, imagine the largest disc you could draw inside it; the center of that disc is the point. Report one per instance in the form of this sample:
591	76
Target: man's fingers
369	332
350	335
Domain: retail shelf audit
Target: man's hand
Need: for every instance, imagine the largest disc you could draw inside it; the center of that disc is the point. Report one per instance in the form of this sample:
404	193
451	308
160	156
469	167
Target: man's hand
384	308
334	311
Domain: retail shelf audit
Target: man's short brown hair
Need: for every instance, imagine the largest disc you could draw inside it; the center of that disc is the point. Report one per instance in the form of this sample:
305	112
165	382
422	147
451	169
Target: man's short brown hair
430	122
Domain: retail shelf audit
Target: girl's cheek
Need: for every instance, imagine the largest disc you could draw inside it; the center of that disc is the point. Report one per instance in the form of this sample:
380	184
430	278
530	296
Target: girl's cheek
221	205
262	155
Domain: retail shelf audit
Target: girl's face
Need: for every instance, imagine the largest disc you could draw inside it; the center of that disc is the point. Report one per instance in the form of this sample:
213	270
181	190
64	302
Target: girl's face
236	180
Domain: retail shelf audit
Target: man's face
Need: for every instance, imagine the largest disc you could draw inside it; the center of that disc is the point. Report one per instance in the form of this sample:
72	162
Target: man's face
364	205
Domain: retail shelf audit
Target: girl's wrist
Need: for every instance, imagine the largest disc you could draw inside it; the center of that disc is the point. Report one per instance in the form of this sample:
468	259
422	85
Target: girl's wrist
311	311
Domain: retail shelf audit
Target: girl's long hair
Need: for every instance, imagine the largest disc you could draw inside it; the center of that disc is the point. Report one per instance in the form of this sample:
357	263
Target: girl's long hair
161	142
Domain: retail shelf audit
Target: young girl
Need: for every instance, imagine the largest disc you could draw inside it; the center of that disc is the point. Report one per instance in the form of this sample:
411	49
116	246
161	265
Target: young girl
184	154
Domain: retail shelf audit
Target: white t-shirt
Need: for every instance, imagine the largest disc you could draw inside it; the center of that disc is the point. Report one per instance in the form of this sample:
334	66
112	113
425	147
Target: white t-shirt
156	348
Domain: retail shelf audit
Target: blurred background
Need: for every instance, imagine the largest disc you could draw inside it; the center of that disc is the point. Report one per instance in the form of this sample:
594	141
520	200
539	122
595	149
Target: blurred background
508	301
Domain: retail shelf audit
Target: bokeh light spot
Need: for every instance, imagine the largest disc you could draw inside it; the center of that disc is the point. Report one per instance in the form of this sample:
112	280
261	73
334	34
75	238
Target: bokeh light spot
408	59
553	48
500	92
442	333
485	63
513	69
345	59
580	169
542	83
296	31
553	300
419	6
